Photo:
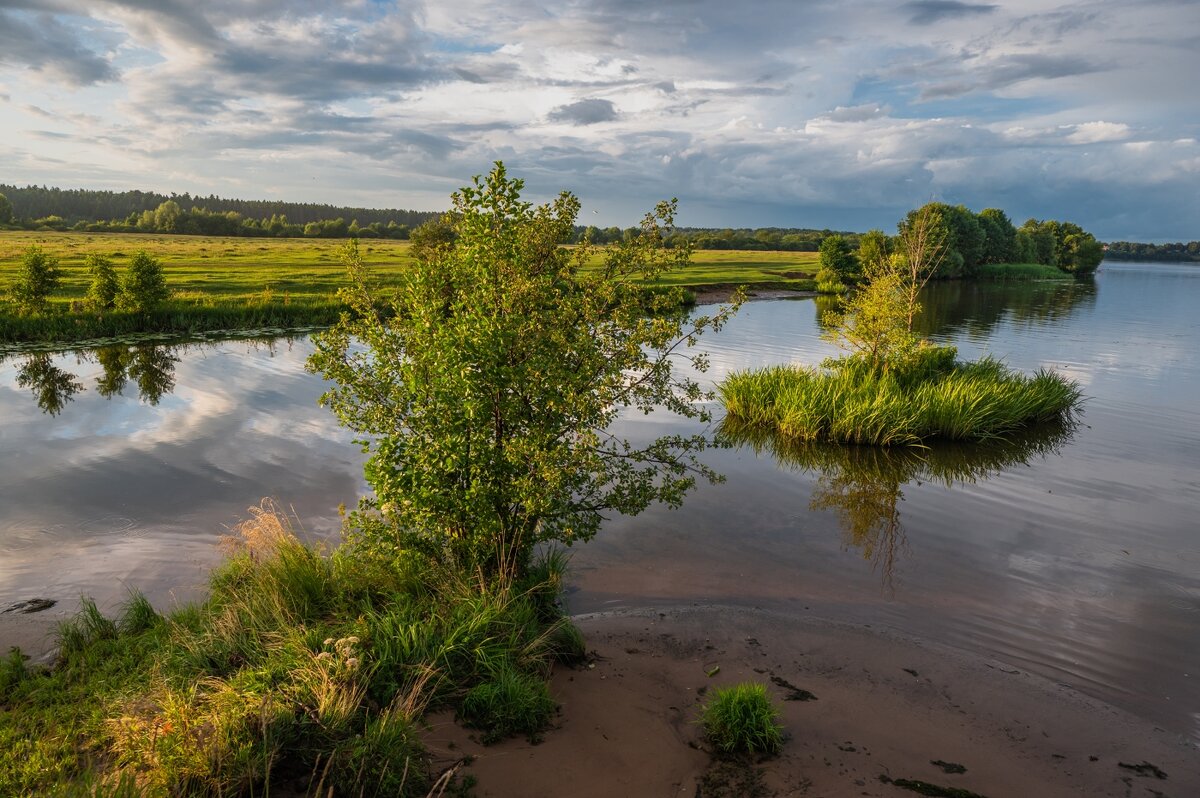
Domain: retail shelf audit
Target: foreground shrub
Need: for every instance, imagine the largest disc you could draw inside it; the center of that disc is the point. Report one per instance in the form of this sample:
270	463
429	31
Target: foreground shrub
302	670
929	396
742	719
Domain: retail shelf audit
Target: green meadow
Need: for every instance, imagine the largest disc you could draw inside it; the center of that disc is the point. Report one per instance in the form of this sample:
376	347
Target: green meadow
254	283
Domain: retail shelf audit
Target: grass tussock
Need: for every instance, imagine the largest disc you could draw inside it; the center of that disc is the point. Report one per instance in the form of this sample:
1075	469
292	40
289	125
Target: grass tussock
742	720
932	397
304	670
1003	272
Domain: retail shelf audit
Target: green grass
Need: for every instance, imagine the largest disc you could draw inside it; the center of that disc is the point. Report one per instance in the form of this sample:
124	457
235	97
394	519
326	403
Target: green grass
742	719
245	283
1002	272
301	667
847	402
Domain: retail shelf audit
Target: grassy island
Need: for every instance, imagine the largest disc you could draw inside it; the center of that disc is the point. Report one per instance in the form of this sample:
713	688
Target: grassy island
893	388
847	401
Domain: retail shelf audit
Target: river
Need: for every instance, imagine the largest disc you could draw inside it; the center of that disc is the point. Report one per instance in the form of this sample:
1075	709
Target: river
1071	554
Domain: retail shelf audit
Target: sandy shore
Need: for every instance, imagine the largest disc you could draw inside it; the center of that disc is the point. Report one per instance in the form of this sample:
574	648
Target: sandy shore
884	707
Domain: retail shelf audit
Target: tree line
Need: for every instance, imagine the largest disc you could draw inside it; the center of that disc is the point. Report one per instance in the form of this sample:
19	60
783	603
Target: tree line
958	241
1132	250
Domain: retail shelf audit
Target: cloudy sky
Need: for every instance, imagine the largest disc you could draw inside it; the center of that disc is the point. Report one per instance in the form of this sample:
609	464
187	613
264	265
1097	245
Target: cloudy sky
780	112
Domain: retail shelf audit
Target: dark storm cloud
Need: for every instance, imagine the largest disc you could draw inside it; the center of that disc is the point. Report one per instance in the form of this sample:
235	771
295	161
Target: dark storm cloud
42	43
585	112
927	12
1014	69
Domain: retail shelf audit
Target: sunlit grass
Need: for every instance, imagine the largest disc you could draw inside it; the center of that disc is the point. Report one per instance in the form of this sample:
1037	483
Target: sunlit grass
846	402
243	283
301	665
1002	272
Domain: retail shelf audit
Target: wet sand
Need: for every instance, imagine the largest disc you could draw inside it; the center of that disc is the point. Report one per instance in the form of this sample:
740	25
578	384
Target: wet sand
885	707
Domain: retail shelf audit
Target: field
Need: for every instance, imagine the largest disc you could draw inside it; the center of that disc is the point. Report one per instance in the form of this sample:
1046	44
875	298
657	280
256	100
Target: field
245	269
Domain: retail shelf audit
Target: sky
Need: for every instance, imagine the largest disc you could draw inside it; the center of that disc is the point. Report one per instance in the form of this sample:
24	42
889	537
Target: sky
788	113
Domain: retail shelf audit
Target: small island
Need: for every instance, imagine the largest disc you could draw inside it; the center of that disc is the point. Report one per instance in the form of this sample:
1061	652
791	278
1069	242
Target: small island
894	388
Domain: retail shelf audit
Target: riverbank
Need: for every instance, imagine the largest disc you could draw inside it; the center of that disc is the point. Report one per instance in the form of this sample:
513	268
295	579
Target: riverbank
245	283
882	707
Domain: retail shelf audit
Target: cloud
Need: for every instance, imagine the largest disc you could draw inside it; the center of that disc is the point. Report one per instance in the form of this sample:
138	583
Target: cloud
585	112
1095	132
43	44
928	12
778	113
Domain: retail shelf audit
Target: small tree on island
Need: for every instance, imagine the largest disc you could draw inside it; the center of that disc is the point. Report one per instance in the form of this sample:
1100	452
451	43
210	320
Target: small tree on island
486	394
37	277
144	287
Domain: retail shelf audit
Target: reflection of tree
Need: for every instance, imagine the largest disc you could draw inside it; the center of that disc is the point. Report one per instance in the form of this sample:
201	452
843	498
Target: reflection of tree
152	368
863	485
52	387
977	307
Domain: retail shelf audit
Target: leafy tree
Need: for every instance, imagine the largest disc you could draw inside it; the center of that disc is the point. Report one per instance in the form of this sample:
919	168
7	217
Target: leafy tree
872	323
430	240
1000	237
167	217
1043	236
6	210
874	249
144	287
105	286
837	257
959	231
486	395
37	276
1082	253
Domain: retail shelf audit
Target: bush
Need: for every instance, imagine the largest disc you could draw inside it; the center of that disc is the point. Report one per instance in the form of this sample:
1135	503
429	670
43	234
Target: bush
742	719
37	276
105	286
144	287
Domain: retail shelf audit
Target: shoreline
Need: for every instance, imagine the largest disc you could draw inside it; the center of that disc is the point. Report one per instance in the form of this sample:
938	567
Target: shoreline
885	706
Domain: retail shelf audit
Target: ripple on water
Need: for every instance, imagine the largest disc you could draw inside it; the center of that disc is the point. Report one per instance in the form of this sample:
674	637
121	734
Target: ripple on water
114	525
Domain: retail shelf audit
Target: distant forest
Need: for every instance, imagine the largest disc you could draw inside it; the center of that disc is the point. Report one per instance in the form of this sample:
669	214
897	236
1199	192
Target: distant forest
1131	250
44	208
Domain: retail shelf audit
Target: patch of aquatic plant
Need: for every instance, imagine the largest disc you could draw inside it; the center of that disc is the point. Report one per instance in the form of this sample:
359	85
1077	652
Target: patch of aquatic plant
303	668
929	396
742	719
172	318
1000	272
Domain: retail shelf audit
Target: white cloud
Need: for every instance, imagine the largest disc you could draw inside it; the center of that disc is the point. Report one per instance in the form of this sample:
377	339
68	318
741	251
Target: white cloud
845	113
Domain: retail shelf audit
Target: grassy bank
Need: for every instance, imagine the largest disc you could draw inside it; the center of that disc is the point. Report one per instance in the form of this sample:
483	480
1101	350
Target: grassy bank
933	398
1002	272
246	283
303	673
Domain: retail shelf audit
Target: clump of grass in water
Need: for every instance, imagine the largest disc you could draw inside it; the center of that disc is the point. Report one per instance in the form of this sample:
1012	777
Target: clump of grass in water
934	396
300	662
742	719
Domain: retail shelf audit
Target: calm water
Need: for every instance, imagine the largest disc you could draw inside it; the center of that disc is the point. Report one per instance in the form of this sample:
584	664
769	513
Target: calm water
1072	554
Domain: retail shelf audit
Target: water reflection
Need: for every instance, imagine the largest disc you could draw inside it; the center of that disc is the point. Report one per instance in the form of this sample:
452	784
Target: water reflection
51	386
958	306
150	367
863	485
